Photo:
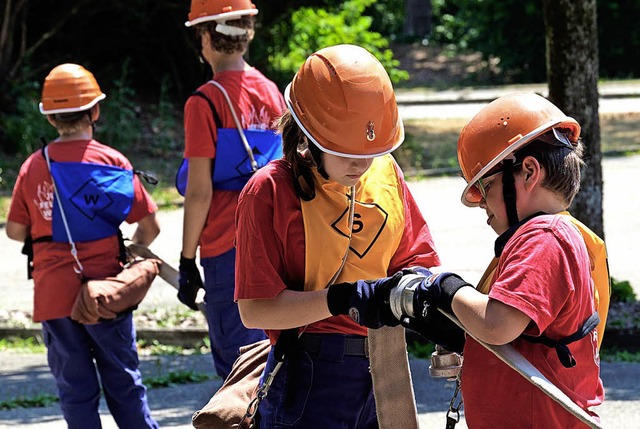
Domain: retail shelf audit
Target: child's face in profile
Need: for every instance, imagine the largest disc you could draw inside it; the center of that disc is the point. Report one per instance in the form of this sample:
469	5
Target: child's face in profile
345	171
493	203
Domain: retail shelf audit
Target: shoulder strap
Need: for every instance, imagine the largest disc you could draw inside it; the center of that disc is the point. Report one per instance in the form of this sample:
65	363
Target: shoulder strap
563	352
243	138
216	117
74	251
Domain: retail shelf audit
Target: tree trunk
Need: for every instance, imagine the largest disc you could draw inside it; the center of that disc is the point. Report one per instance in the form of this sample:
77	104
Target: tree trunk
572	71
417	21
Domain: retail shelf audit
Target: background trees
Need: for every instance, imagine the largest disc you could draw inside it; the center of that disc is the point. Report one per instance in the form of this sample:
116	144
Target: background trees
146	61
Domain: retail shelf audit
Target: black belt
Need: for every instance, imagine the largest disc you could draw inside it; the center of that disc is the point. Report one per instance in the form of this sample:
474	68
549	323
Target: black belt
353	345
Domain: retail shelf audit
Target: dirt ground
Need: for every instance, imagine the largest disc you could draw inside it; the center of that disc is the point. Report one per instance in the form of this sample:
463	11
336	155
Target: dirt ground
432	66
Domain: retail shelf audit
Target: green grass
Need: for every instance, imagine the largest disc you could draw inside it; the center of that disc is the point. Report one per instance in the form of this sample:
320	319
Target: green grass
38	401
170	379
155	348
174	378
31	345
615	355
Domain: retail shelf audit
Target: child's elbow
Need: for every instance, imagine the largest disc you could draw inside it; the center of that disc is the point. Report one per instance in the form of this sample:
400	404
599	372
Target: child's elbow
248	314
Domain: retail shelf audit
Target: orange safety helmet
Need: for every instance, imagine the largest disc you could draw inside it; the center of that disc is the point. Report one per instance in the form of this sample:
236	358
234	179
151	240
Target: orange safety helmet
69	88
219	10
503	127
343	100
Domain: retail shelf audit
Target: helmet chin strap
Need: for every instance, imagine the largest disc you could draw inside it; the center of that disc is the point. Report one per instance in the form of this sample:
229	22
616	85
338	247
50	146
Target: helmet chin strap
509	192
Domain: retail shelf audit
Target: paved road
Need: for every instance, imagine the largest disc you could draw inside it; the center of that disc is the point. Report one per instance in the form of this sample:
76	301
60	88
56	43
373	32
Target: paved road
28	375
465	245
615	98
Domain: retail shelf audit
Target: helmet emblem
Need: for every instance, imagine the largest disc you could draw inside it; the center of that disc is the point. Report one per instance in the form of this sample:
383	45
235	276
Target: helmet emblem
371	134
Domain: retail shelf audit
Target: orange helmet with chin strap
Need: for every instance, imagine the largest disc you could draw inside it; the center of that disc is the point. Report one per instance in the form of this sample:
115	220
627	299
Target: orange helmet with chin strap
219	10
343	100
69	88
504	126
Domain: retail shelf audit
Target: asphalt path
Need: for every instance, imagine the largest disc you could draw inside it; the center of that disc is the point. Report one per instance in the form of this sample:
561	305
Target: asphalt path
464	243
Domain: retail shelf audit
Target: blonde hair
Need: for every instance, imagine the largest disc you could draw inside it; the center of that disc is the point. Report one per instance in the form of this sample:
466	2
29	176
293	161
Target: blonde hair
71	123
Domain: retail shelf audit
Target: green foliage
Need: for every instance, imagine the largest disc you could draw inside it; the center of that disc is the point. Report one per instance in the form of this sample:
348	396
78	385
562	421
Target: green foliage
511	31
621	291
22	345
22	128
173	378
119	126
42	400
618	37
421	350
615	355
311	29
164	122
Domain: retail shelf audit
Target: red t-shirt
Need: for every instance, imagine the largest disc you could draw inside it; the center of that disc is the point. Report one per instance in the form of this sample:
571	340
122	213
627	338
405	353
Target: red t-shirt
55	283
271	240
258	103
544	271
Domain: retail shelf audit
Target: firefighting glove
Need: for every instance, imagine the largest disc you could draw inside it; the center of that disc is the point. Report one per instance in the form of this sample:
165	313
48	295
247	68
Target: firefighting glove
365	301
436	290
190	281
438	329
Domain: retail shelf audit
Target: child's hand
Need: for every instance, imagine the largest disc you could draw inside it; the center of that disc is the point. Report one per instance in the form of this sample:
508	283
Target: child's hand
436	290
190	282
365	301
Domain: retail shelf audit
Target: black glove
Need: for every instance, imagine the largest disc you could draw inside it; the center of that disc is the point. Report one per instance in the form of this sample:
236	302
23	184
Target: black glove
436	290
438	329
365	301
190	282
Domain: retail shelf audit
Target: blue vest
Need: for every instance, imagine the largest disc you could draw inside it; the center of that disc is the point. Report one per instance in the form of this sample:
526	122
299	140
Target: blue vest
96	199
232	166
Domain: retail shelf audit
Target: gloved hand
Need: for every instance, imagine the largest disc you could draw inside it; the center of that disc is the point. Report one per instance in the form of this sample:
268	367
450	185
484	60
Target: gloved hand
421	271
365	301
436	290
190	282
438	329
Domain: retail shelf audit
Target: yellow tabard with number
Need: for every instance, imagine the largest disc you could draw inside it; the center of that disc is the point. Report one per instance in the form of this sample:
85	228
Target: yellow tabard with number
377	228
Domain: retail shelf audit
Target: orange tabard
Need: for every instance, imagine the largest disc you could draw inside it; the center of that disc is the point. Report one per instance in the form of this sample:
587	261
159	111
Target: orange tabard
377	228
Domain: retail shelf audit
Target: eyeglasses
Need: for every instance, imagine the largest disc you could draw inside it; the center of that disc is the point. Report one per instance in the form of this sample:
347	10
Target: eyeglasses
484	184
480	188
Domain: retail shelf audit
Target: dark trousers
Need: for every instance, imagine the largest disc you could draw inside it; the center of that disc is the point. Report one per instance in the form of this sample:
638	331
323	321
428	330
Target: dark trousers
226	331
322	388
76	351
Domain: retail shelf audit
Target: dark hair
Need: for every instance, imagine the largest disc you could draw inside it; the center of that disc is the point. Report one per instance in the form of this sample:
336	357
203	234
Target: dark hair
562	164
293	140
229	44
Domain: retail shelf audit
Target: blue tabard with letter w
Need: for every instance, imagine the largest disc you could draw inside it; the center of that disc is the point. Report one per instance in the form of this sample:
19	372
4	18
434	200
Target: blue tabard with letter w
96	199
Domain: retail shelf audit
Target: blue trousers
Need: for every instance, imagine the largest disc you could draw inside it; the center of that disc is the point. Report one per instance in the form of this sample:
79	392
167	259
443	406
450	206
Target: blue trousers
226	331
324	389
75	351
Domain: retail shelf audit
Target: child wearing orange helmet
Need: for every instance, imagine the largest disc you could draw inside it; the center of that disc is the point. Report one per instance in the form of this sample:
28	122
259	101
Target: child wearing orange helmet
335	209
68	201
228	135
521	157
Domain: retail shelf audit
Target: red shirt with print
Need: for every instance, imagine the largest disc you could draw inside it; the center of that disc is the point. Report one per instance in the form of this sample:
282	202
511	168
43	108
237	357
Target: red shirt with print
55	282
258	103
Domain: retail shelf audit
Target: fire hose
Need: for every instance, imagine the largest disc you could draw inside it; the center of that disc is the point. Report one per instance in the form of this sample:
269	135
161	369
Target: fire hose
401	300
